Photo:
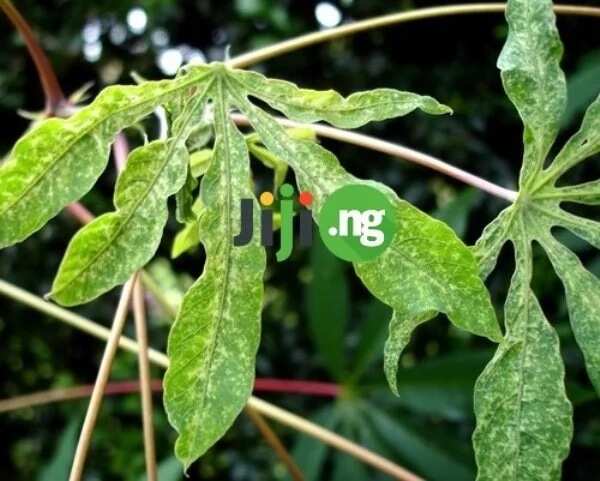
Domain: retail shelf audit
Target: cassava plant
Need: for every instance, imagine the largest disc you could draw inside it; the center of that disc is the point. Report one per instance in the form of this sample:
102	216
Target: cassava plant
524	418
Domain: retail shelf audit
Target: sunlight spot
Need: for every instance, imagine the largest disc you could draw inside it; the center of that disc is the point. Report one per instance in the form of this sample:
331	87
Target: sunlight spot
137	20
160	37
118	34
328	15
91	31
170	60
92	51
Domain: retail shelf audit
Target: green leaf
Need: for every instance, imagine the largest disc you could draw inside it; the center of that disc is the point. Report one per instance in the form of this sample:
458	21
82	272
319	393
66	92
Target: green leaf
309	106
533	79
328	314
524	417
426	269
213	343
310	453
60	160
168	470
60	463
185	200
372	334
456	212
434	461
524	421
106	252
186	239
200	162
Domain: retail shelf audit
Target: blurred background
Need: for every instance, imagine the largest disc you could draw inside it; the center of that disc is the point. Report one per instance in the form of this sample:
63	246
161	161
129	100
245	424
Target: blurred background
319	323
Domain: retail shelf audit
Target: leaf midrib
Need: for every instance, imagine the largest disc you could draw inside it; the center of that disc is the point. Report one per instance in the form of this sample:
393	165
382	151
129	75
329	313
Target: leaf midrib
215	334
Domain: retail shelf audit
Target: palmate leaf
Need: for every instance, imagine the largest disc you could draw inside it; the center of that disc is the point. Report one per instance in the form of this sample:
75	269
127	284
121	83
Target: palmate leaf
426	269
524	421
60	160
213	342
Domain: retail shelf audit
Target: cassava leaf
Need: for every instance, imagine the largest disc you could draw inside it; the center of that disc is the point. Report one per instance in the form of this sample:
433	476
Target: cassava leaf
60	160
523	416
425	270
213	343
358	109
111	248
533	79
185	200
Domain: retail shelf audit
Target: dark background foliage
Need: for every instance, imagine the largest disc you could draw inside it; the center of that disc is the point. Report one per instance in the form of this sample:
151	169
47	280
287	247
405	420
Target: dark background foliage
319	322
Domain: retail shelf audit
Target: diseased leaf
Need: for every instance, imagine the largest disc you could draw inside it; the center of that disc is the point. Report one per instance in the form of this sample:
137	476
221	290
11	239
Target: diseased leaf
426	269
106	252
213	343
523	416
533	79
60	160
582	289
309	106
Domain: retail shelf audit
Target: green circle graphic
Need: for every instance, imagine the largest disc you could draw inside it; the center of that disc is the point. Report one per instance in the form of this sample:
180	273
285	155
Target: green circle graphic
357	223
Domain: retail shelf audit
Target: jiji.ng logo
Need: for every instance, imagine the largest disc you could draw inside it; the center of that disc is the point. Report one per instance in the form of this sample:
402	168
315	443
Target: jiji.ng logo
356	222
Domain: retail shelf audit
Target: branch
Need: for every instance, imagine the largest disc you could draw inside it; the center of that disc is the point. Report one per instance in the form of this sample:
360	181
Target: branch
303	41
399	151
267	409
56	103
267	385
139	315
91	415
273	440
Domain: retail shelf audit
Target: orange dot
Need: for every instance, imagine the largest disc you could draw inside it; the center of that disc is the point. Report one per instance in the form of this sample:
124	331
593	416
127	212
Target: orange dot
305	198
266	198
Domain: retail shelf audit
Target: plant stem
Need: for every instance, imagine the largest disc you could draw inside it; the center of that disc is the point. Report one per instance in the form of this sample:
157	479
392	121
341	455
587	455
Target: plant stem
313	38
55	98
273	440
267	385
267	409
102	379
139	315
80	213
291	386
399	151
338	442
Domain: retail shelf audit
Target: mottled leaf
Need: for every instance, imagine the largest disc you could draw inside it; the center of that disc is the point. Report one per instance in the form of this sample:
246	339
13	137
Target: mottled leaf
213	343
523	416
533	79
111	248
426	269
358	109
524	422
60	160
